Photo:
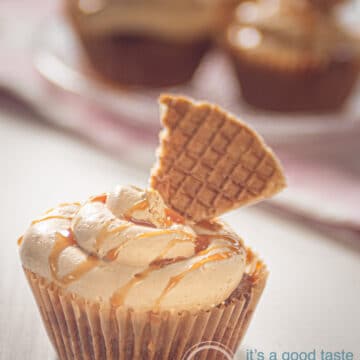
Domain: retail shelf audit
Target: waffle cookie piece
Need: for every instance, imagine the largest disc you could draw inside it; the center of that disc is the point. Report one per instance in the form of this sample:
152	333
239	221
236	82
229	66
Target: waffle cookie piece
209	162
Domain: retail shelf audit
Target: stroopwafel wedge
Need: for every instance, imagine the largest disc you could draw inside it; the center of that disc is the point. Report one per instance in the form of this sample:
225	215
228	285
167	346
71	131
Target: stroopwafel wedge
209	162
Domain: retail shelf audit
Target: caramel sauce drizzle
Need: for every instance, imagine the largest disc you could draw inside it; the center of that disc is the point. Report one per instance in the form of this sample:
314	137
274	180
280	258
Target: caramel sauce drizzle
171	244
173	217
203	240
20	240
82	269
99	198
249	256
119	296
140	205
113	253
62	242
176	279
215	257
160	263
201	243
105	232
163	232
209	225
50	217
141	222
202	248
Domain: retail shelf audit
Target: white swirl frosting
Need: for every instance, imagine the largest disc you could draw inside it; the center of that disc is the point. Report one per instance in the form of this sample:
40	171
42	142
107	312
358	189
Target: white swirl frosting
128	249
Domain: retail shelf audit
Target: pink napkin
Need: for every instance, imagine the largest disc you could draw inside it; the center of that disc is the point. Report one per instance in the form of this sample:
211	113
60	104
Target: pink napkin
325	192
323	172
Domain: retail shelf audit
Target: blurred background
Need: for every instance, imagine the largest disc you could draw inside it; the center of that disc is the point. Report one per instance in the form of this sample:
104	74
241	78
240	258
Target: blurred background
79	82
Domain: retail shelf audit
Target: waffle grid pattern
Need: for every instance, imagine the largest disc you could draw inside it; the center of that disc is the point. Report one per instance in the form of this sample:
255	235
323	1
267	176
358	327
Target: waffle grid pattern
209	162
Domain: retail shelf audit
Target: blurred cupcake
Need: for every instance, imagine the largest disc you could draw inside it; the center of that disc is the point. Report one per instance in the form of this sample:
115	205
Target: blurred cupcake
290	56
147	42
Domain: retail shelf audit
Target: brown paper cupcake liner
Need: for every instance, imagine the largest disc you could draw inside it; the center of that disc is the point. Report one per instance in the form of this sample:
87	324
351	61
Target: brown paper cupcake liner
84	330
142	61
308	88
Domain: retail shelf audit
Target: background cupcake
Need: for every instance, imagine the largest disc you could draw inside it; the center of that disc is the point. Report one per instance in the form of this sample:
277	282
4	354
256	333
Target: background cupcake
290	56
148	42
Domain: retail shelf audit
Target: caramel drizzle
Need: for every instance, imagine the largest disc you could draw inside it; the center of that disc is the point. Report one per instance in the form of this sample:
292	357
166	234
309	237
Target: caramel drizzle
140	205
201	243
201	248
249	256
160	263
177	278
163	232
99	198
62	242
20	240
203	240
63	205
105	232
113	253
50	217
141	222
170	245
120	295
209	225
173	217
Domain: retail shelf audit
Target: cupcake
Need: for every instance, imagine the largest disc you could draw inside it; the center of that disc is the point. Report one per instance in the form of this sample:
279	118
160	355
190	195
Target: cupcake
138	274
147	42
291	56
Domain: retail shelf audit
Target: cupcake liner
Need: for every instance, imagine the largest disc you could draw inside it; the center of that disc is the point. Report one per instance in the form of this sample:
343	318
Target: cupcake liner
84	330
294	81
296	87
141	60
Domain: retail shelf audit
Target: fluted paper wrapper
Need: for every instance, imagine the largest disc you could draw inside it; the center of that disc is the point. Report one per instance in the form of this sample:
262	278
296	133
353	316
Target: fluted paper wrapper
85	330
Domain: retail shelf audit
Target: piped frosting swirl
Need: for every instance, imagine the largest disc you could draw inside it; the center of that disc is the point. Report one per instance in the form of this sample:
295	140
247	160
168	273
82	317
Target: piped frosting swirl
126	248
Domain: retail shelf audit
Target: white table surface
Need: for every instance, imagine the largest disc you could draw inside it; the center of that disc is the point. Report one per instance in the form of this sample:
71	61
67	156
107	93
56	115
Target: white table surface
313	294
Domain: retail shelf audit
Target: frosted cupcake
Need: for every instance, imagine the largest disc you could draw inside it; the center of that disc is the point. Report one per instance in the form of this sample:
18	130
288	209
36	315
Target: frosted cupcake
126	275
291	56
147	42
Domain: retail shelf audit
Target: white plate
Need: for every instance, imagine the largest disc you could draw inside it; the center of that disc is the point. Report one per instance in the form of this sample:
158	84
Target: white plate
58	58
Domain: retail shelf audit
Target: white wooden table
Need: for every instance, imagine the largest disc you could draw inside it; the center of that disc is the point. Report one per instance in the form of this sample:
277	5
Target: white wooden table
312	298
